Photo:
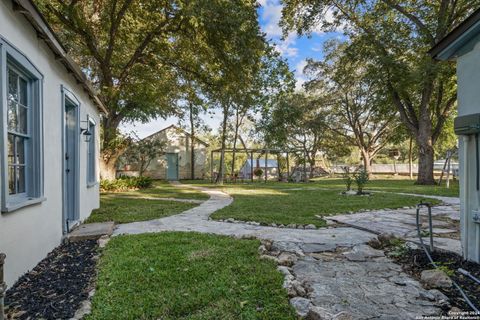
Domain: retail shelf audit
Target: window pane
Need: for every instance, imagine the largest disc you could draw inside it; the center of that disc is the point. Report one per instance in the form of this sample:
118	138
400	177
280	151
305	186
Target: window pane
11	180
20	172
20	157
22	119
12	115
23	92
10	148
12	85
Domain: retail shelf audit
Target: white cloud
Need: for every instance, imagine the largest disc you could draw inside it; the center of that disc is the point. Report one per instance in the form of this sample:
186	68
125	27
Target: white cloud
286	47
299	75
271	15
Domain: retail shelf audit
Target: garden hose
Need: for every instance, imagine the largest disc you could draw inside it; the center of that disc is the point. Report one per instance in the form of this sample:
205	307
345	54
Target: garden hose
429	206
468	274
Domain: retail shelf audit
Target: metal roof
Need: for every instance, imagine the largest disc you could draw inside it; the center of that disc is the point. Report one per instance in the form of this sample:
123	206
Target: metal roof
271	163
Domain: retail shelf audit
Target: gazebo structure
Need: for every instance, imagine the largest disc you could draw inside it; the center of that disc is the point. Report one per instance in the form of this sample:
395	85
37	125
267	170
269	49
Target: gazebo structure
265	152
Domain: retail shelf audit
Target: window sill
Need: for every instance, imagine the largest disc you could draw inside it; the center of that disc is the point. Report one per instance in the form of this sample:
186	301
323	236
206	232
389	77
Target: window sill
92	184
13	206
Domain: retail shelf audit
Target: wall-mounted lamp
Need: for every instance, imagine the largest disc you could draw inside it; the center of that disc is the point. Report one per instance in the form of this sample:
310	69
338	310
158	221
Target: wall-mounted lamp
86	132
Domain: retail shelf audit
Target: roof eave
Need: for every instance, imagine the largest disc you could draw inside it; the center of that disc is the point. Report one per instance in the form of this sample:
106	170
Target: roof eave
28	9
448	47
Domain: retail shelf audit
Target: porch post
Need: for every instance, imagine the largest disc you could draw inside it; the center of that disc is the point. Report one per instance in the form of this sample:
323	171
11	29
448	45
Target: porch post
3	287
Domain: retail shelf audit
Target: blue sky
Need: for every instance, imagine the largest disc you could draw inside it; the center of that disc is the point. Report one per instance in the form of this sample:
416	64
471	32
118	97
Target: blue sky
295	49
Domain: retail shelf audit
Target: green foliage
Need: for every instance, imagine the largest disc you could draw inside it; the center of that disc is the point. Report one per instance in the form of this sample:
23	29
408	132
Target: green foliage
361	177
140	54
125	183
395	36
258	172
142	152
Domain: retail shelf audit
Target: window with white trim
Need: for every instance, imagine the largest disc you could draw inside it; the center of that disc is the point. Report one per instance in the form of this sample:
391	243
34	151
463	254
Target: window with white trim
91	155
21	125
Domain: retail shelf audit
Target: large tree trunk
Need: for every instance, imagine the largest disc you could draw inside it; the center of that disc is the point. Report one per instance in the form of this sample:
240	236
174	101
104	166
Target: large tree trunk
222	153
111	148
367	161
410	159
108	169
425	162
425	151
237	124
192	143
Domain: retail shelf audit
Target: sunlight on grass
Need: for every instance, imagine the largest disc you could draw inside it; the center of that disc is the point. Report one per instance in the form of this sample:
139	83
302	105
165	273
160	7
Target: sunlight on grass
176	275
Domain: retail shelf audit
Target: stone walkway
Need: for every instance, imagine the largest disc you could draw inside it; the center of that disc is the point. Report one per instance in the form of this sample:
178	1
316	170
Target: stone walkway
330	273
402	223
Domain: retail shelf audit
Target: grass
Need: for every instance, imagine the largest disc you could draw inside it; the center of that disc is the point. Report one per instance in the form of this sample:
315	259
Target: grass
124	210
130	206
187	276
300	204
163	189
396	185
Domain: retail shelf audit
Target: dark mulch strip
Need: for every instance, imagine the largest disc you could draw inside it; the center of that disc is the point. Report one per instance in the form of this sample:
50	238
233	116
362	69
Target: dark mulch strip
55	288
415	261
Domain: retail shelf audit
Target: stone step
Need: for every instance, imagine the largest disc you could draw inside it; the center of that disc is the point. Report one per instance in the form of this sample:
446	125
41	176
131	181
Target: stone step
91	231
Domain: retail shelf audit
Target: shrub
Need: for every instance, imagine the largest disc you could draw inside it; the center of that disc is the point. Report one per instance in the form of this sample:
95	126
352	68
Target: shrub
125	183
361	179
347	178
258	172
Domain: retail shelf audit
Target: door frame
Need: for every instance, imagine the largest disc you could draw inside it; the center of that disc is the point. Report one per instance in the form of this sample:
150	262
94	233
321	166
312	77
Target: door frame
67	94
176	169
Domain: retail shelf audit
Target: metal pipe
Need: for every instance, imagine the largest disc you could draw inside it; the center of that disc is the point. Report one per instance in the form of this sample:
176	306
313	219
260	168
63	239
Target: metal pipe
430	227
456	285
468	274
3	287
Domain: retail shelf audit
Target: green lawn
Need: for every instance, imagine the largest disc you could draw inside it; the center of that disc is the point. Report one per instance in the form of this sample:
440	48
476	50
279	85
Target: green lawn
124	210
178	275
395	185
299	204
130	206
163	189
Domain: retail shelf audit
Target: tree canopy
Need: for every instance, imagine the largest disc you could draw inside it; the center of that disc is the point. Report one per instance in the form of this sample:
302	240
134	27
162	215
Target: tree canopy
396	36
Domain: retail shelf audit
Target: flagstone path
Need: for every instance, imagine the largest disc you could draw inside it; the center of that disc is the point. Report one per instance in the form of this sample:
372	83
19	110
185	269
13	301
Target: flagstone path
330	273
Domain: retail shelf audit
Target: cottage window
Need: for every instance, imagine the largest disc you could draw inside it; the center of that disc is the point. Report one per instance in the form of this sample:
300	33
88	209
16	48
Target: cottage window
91	155
21	123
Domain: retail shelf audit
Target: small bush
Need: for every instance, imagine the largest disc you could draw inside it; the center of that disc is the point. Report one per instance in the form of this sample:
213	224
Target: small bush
361	179
258	172
347	178
125	184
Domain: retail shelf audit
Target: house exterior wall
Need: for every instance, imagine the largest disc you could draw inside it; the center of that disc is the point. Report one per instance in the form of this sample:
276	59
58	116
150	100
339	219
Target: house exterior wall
29	233
468	72
178	142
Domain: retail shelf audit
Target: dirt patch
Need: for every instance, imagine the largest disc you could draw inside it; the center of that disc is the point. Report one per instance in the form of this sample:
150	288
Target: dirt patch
415	261
55	288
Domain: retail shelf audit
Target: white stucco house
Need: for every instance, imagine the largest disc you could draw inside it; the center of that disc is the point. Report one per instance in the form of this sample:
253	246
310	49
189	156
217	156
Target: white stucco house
463	45
49	140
